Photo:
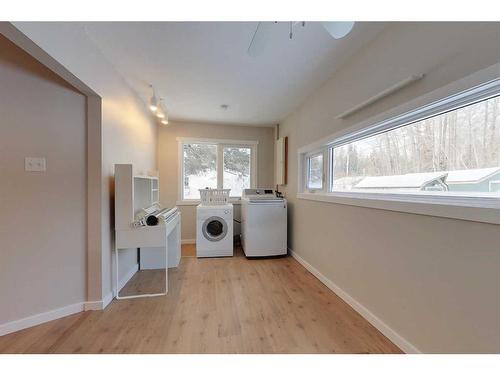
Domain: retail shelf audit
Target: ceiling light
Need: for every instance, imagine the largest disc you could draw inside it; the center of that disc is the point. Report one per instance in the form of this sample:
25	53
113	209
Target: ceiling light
160	112
153	102
165	120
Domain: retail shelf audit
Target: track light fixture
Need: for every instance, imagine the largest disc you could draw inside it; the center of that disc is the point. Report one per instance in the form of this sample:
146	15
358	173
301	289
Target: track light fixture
156	106
153	102
160	112
165	120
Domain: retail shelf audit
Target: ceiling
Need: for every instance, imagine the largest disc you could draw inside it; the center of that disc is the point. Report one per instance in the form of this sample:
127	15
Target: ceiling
198	66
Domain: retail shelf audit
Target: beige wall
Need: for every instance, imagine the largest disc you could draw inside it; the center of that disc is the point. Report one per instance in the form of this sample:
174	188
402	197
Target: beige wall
129	132
434	281
43	215
168	161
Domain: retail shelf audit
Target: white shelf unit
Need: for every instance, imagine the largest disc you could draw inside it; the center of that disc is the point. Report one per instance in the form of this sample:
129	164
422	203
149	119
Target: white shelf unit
147	187
132	193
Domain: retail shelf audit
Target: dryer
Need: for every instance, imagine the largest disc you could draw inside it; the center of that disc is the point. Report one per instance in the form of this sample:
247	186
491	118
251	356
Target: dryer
214	230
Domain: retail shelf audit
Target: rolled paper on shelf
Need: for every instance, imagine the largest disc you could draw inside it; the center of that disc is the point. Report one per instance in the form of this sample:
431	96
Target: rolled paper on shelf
139	223
153	215
163	214
168	213
152	220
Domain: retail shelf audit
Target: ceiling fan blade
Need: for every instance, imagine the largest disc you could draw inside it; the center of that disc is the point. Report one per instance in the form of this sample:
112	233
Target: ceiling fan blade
339	29
259	39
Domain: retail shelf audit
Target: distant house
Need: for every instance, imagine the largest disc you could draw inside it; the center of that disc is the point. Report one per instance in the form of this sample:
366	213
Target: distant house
480	180
466	180
432	181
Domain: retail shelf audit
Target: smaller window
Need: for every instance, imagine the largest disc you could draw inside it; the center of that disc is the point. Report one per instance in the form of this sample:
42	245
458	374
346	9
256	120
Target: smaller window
315	172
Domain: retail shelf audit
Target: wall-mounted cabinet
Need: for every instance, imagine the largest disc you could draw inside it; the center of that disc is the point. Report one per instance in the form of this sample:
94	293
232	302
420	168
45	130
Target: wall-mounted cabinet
281	161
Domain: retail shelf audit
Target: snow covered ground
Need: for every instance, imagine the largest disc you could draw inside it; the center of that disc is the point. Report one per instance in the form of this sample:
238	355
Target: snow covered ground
203	180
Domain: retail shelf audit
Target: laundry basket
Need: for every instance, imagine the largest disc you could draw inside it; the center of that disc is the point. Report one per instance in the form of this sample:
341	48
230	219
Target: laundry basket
214	197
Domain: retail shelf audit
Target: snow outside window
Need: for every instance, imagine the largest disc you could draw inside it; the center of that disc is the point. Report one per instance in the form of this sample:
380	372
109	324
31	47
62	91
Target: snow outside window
315	172
237	164
453	152
200	168
213	164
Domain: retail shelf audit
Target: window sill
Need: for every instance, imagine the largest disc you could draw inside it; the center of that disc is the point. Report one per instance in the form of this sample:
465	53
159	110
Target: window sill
481	209
196	202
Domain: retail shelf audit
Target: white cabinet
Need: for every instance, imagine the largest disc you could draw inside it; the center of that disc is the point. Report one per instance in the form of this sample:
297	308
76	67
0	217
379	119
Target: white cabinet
281	161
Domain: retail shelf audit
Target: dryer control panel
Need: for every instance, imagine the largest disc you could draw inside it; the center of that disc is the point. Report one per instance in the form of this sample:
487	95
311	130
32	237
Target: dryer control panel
252	192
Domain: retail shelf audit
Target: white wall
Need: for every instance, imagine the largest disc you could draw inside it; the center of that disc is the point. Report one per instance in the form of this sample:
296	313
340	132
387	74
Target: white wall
434	281
129	133
168	161
43	215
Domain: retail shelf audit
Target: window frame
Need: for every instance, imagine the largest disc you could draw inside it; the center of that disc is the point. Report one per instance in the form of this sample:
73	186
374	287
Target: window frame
463	206
220	143
324	180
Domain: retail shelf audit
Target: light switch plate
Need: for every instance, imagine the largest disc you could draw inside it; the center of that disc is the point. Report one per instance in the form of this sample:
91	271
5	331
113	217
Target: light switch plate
35	164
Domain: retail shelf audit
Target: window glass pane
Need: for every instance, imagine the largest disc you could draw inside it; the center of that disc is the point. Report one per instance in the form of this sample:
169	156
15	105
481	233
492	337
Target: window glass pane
315	173
237	162
200	168
458	151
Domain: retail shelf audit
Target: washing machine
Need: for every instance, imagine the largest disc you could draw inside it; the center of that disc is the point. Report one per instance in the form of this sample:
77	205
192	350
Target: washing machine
214	230
263	223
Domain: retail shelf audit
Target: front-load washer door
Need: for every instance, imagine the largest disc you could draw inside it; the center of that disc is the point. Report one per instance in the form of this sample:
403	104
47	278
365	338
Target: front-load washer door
214	228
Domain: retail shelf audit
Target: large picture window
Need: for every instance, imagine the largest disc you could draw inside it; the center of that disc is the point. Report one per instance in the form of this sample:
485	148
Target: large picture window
444	156
209	163
457	151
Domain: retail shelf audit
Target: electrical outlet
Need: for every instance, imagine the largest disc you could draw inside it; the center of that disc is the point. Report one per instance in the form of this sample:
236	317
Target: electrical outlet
35	164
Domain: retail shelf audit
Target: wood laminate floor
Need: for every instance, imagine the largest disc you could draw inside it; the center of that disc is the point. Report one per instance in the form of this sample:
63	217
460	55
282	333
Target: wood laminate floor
189	250
216	305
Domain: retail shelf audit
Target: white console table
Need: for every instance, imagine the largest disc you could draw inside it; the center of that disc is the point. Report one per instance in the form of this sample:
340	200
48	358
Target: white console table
166	236
133	193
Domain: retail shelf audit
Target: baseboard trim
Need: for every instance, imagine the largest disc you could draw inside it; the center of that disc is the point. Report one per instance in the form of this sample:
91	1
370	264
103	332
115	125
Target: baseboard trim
37	319
188	241
107	300
125	279
99	305
392	335
34	320
92	305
